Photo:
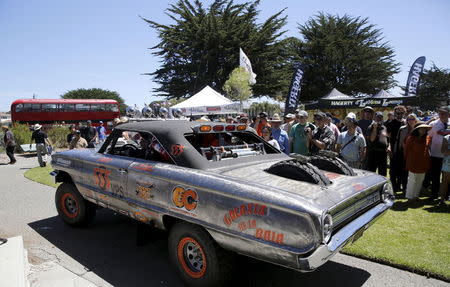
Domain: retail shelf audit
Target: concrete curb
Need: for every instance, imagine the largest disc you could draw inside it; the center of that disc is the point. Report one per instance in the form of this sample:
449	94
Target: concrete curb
13	263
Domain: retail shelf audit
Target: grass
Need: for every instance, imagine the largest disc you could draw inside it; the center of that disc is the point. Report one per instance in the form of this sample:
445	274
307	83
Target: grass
415	237
41	175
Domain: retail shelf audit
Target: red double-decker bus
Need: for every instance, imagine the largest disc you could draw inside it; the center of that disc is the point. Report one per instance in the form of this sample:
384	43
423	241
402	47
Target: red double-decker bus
49	111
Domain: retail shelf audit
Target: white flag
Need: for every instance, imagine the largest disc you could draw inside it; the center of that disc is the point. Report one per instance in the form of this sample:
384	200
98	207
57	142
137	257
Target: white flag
244	62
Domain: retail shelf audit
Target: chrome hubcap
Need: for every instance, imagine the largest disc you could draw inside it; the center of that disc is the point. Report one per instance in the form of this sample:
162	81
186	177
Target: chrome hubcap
71	205
193	256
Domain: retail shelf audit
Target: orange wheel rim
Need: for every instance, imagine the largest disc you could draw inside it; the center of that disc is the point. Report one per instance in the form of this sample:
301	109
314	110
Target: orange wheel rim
191	257
69	205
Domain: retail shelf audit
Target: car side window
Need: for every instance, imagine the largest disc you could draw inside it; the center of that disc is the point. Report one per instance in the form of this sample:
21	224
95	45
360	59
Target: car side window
139	145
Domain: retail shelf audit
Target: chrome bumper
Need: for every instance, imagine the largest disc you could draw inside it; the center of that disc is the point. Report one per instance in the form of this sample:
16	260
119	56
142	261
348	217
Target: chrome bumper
347	234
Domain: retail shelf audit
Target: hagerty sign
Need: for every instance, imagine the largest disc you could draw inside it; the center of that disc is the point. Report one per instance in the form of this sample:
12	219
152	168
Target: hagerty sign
361	103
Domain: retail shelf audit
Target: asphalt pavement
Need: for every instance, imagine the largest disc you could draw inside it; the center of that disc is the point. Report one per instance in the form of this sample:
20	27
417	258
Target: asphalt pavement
106	253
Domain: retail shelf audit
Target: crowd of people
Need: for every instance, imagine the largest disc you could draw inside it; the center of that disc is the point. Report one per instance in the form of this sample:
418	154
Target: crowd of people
416	147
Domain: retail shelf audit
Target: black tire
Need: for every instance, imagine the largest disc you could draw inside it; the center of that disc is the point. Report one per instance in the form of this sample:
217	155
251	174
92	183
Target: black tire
211	267
72	207
331	164
302	171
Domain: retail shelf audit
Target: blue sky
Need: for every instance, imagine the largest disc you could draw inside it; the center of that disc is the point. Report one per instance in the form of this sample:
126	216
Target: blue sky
50	47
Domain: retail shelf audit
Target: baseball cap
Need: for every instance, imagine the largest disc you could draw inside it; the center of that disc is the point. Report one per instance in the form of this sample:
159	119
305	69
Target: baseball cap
289	116
302	113
89	121
379	114
263	115
368	109
320	114
445	109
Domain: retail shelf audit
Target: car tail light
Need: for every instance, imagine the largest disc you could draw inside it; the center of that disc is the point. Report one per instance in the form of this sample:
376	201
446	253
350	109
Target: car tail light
218	128
241	127
230	128
205	128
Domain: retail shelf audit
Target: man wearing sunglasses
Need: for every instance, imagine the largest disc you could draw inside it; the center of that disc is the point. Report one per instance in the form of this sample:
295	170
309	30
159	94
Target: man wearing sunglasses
322	138
395	156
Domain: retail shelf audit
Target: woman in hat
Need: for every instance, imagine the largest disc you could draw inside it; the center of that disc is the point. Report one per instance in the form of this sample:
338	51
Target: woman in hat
417	157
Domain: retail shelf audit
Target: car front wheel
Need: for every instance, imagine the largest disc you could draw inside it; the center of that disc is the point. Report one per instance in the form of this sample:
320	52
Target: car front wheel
72	207
196	256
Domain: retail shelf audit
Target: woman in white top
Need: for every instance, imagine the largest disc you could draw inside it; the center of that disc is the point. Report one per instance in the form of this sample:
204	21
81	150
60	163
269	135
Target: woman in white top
267	136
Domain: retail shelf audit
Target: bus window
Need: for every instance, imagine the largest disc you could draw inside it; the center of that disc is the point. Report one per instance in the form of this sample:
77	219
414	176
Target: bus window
82	107
32	107
97	107
112	107
50	107
19	108
67	107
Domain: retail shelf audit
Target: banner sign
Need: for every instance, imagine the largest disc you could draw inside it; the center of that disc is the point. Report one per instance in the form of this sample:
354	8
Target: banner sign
232	108
361	103
294	91
414	76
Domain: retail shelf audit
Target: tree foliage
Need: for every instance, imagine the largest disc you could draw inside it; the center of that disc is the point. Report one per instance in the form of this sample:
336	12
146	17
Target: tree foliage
256	108
237	87
345	53
434	88
201	47
96	93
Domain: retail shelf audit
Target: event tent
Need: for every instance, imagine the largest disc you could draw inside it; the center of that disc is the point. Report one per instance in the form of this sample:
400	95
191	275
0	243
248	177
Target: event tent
207	101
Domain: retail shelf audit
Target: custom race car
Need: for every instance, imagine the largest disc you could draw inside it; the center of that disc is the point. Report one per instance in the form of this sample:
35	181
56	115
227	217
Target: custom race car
219	189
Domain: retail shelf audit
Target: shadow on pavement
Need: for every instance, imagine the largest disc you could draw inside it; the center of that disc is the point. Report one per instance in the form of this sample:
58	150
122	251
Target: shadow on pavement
108	248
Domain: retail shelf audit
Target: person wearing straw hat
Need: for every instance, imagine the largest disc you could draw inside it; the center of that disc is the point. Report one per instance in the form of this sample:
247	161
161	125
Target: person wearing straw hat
417	156
41	140
280	135
10	144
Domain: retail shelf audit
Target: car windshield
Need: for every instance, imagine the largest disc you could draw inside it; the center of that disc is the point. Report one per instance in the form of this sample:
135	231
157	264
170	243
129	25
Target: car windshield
229	145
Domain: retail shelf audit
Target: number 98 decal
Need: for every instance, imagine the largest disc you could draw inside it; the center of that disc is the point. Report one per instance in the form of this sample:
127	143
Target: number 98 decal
186	198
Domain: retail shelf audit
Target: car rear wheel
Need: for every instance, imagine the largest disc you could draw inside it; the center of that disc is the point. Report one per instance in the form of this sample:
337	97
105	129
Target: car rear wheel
72	207
196	256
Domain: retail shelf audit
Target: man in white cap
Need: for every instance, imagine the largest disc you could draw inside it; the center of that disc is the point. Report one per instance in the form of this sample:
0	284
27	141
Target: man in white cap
351	144
288	123
299	133
41	140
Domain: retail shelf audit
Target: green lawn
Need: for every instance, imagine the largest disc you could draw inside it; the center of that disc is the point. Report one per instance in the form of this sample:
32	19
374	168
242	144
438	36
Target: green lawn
415	237
41	175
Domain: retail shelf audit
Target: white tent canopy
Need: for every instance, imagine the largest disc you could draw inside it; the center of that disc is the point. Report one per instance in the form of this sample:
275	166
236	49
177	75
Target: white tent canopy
336	95
207	101
382	94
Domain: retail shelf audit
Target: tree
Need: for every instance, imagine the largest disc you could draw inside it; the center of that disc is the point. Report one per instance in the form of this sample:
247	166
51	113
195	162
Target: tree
345	53
96	93
434	88
201	47
256	108
237	87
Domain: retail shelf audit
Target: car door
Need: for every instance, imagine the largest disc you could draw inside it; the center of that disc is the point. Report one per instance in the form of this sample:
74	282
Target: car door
108	175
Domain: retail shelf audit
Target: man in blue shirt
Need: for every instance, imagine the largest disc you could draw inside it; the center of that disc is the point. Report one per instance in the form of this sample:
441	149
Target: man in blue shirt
280	135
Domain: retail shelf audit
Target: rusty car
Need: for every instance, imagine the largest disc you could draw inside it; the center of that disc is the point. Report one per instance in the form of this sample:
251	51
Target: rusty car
220	190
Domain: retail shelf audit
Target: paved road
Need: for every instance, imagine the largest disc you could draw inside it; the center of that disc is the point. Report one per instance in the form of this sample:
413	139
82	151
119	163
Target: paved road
106	253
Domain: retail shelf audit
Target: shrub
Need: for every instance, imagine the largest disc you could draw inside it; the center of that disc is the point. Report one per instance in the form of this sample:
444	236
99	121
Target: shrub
58	136
22	133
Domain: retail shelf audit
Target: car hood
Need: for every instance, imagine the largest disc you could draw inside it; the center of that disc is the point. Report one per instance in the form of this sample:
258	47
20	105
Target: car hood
327	197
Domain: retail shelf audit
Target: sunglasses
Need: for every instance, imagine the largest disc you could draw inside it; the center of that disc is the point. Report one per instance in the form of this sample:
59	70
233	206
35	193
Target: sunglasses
410	119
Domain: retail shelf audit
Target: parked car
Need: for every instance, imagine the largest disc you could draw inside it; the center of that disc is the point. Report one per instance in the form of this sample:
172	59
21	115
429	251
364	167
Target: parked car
219	189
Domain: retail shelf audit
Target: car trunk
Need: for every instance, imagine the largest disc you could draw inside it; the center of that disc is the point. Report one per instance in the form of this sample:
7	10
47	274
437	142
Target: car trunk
343	198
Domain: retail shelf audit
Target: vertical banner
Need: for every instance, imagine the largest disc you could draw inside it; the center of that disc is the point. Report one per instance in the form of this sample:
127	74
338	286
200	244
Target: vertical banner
414	76
244	62
294	90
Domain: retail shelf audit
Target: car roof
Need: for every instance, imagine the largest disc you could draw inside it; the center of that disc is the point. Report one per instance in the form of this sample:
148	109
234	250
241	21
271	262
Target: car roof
171	133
